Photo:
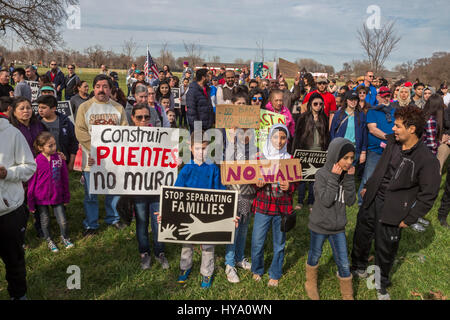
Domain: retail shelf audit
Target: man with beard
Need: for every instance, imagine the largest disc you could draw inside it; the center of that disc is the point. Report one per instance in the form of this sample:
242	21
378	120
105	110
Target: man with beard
225	92
100	110
328	98
57	77
198	101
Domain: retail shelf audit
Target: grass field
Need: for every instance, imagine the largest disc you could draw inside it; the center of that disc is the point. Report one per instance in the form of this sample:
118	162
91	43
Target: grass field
110	265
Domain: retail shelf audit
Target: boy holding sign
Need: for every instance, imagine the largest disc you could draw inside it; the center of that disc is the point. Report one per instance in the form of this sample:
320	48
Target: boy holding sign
198	174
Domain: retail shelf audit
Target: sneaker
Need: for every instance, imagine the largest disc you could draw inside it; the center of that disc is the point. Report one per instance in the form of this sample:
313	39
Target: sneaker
443	222
423	222
256	277
89	232
145	261
163	260
360	273
184	275
67	243
383	295
119	225
52	246
244	264
417	227
232	275
206	282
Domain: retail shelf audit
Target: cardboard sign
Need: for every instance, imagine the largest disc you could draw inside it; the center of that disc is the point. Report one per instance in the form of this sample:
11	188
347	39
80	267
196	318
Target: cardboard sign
250	172
176	97
267	120
63	107
311	161
133	160
34	85
191	215
237	116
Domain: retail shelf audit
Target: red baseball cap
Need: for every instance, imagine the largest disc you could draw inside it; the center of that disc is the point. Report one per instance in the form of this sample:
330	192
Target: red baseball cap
408	84
384	91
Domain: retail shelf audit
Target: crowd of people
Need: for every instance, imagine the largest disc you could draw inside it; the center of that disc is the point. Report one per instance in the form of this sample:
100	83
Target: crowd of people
392	137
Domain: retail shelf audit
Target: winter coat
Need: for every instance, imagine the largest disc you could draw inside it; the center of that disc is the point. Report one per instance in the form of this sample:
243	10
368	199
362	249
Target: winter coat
290	123
332	194
199	106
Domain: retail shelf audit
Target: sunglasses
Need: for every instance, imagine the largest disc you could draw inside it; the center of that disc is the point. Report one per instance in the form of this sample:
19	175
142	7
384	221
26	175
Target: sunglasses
322	83
315	104
144	117
255	99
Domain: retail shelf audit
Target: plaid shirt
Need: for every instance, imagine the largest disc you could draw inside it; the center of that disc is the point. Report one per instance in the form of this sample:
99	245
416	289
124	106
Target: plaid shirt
430	138
271	200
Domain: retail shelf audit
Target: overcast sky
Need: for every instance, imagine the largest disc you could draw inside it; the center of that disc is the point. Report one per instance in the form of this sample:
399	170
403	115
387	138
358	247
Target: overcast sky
322	30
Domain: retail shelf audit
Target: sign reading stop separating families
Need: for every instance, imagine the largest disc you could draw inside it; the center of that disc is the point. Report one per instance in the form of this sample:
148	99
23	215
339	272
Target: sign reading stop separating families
311	161
133	160
191	215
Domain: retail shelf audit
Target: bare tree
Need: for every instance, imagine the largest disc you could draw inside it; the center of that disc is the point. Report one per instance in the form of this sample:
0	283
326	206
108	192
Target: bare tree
405	68
378	44
129	48
96	55
193	52
36	22
260	50
215	59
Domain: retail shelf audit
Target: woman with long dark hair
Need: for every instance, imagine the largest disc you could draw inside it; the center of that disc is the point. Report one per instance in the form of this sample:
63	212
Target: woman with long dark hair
434	115
164	91
311	133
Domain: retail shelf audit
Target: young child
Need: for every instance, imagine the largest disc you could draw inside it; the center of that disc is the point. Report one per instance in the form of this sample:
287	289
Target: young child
244	148
49	186
60	126
334	188
198	174
172	116
165	103
271	201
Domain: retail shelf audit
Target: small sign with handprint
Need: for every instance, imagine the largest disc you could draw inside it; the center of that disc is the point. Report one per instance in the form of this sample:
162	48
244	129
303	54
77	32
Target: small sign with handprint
202	216
311	161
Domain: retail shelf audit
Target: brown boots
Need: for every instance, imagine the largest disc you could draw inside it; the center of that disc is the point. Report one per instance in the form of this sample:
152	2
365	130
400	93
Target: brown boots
346	287
311	282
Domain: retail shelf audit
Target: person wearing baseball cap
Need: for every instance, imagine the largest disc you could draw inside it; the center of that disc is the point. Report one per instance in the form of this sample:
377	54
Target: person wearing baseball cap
349	122
380	121
328	98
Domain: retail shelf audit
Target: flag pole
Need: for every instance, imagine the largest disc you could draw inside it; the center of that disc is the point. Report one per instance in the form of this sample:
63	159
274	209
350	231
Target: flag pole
148	66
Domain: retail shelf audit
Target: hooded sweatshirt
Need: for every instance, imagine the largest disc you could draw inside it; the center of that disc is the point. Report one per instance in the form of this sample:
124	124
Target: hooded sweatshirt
332	194
16	157
50	183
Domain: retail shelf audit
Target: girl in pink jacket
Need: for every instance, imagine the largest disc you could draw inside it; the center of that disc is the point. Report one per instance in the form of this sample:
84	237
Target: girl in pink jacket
49	186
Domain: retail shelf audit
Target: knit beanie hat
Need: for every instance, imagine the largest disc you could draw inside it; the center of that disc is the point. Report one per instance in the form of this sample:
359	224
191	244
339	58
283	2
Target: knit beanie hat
346	148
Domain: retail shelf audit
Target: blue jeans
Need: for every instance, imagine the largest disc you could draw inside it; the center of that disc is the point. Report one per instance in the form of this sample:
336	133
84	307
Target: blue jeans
145	207
338	244
235	252
91	206
302	192
371	162
261	226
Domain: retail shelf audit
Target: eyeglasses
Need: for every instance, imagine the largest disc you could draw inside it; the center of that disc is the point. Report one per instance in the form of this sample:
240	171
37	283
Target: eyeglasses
255	99
70	68
315	104
362	92
144	117
370	76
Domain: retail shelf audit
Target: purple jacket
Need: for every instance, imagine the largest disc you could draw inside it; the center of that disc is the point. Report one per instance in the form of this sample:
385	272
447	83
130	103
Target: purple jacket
31	132
50	183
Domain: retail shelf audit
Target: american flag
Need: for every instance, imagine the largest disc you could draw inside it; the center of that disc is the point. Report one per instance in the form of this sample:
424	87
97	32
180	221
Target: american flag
150	64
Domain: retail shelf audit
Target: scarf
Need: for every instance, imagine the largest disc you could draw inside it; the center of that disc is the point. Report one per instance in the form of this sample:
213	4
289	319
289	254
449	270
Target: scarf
269	151
386	109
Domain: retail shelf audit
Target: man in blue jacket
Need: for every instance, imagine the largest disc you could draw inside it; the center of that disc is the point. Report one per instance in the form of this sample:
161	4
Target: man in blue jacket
198	102
57	77
372	94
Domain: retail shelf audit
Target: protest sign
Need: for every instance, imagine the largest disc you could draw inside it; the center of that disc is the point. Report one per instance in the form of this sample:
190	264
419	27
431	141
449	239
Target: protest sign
176	97
191	215
250	172
237	116
311	161
267	120
63	107
133	160
263	70
34	85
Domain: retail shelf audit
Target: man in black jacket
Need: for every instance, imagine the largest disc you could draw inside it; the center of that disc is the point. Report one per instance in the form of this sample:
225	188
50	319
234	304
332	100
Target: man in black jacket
198	102
401	190
57	78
